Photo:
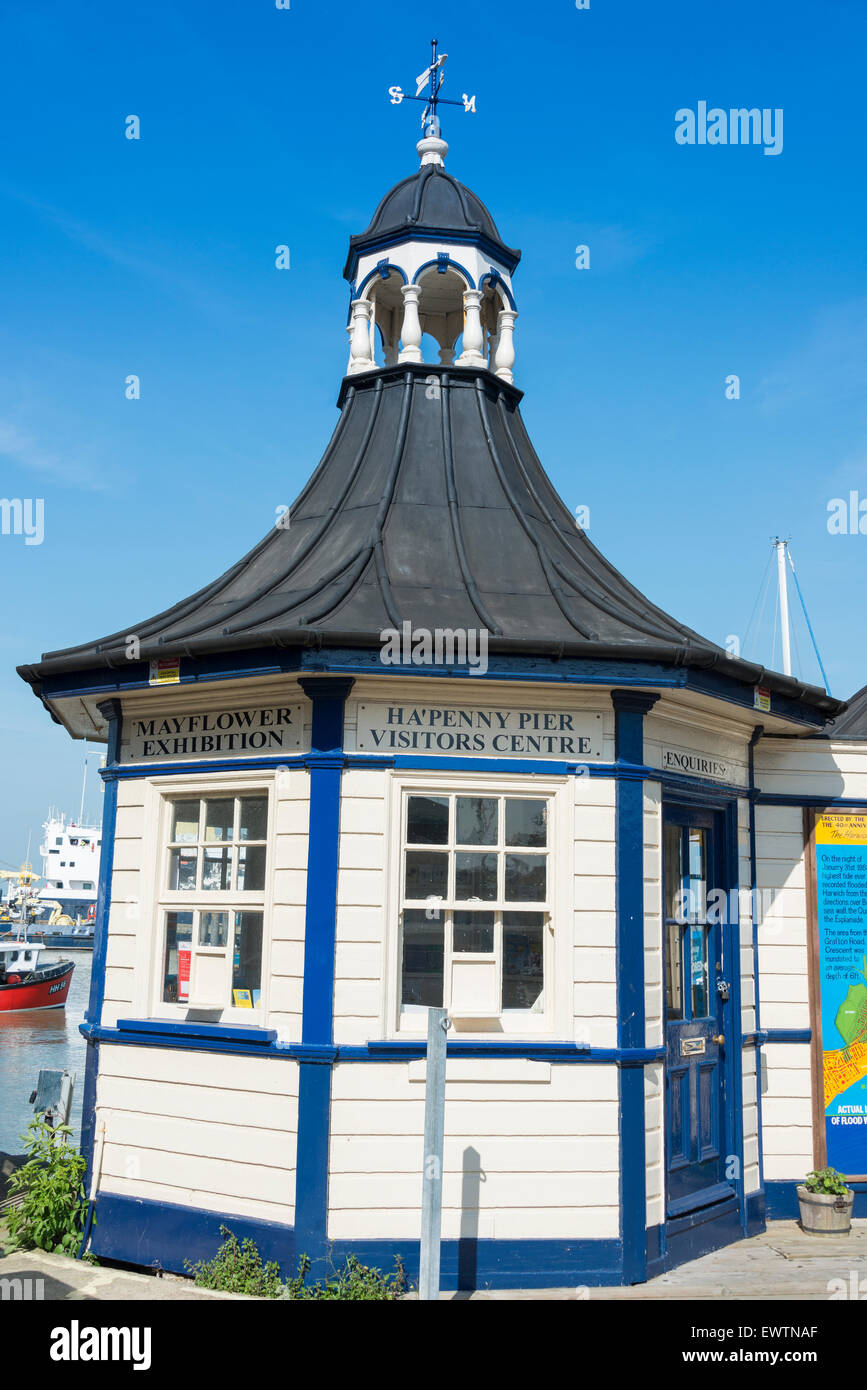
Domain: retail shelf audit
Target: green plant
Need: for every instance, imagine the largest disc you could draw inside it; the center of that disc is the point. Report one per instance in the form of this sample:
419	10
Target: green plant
828	1182
354	1282
238	1268
49	1216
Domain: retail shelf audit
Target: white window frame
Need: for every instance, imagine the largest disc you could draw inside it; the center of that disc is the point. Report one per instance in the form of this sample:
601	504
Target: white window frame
163	792
554	1019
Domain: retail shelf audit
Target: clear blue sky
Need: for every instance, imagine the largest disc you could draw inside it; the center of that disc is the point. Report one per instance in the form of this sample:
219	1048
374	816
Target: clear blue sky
262	126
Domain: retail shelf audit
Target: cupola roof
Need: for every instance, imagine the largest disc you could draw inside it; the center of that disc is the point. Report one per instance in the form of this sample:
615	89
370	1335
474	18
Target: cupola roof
431	205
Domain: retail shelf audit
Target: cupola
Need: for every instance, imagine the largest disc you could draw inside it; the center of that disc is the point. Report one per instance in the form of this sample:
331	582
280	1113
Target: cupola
432	263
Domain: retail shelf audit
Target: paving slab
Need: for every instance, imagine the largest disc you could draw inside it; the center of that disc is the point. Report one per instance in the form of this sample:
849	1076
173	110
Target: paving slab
783	1263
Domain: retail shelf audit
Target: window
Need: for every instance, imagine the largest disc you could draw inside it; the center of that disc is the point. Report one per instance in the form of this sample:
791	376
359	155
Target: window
213	900
474	903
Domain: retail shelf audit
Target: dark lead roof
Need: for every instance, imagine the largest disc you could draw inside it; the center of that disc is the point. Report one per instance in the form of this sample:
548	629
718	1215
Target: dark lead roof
852	724
429	506
431	202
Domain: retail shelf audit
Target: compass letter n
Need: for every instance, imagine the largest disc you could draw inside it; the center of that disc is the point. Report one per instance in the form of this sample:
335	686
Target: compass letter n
469	103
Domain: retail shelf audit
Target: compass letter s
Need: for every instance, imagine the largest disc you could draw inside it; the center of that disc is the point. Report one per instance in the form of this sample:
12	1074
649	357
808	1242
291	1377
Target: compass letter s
396	95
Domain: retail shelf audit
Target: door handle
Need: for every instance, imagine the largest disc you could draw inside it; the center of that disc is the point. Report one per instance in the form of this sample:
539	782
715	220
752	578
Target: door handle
719	1039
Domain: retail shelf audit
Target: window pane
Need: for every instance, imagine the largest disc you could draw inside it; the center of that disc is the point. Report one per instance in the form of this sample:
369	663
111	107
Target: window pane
254	818
217	869
427	874
247	960
185	822
176	964
476	877
527	823
219	819
476	820
251	868
698	970
473	931
522	959
213	928
182	869
422	973
674	905
427	820
526	878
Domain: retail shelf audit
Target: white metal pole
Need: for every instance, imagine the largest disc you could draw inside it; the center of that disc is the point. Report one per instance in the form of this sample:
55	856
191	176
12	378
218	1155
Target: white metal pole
432	1177
783	581
83	785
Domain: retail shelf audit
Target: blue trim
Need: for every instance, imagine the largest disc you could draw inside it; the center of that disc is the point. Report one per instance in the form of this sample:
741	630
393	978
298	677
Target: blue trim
819	802
450	264
754	879
786	1035
405	235
357	660
781	1197
388	266
328	696
630	707
254	1042
163	1235
498	282
112	712
205	1032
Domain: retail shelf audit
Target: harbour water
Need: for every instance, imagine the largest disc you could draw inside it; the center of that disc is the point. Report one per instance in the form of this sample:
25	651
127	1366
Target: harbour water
43	1038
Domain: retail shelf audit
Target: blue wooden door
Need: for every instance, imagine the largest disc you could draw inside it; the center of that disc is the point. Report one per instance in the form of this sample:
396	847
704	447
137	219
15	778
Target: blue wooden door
694	995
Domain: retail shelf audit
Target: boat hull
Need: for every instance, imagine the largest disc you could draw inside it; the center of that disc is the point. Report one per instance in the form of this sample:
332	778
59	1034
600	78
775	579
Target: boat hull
40	989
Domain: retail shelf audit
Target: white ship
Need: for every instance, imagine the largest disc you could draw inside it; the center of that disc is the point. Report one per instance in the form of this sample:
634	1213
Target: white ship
70	867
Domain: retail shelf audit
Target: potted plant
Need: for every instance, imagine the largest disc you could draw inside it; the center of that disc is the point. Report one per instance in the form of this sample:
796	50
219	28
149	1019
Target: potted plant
826	1203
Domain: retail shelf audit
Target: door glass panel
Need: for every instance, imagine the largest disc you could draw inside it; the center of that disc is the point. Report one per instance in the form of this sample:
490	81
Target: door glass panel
474	932
698	970
476	822
476	877
697	874
427	820
527	824
674	971
523	952
427	874
673	871
422	973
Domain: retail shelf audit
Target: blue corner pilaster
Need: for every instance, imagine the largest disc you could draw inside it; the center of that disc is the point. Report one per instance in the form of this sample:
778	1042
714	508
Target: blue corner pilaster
325	763
630	707
111	711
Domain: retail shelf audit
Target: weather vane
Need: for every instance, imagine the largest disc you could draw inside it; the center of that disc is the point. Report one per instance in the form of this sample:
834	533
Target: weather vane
432	78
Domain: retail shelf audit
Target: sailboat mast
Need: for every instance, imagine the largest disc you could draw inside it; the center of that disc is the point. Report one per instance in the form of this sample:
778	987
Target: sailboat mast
782	579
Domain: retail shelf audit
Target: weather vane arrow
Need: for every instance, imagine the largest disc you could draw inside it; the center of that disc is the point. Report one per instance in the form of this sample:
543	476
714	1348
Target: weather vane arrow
432	78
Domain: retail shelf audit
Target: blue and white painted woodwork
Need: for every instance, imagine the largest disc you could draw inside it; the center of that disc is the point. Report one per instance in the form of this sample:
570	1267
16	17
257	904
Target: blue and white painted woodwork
438	287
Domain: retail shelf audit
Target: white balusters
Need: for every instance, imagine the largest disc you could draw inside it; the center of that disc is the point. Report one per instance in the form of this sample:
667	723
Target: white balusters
411	331
504	351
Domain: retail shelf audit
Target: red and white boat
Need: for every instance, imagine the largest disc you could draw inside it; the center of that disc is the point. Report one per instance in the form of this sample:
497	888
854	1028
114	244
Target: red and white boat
27	982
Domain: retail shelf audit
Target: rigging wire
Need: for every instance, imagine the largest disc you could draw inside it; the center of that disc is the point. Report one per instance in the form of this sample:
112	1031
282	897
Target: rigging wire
763	595
809	624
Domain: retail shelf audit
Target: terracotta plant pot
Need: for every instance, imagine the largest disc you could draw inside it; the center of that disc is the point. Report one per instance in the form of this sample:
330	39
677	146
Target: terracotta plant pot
825	1214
